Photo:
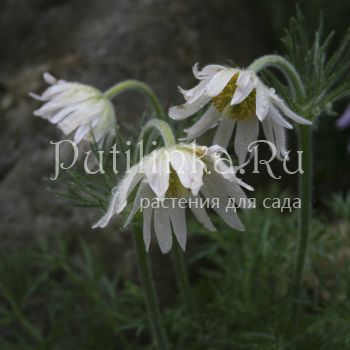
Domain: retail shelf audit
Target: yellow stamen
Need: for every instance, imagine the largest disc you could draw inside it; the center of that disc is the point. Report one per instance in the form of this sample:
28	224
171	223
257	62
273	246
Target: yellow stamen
242	111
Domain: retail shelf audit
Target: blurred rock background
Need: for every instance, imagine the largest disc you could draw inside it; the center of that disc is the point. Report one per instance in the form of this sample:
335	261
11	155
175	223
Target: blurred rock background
103	42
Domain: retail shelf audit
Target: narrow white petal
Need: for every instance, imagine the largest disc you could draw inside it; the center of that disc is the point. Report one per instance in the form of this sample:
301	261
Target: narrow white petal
244	79
218	82
208	121
202	217
224	132
281	142
36	97
156	168
162	229
262	102
276	116
60	115
178	221
81	132
141	193
127	185
242	92
50	79
246	132
120	194
147	221
188	109
208	70
229	216
193	94
218	184
289	113
189	169
268	130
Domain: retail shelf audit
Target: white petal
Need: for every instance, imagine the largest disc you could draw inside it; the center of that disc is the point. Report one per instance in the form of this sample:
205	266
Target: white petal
218	82
120	194
207	121
268	130
178	221
242	91
60	115
230	217
156	168
244	79
188	109
162	229
50	79
208	70
81	133
36	97
224	132
219	184
202	217
127	185
276	116
147	220
289	113
193	94
189	169
137	202
246	132
280	137
262	102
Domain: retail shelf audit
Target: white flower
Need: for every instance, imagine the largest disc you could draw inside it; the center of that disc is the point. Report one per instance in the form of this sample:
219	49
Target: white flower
237	100
77	107
177	172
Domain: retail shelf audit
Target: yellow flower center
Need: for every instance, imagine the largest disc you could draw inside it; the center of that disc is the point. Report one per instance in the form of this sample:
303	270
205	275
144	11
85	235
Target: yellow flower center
242	111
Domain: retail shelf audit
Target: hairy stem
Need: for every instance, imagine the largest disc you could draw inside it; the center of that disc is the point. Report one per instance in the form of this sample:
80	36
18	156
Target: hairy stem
182	276
305	193
152	304
128	85
286	68
178	256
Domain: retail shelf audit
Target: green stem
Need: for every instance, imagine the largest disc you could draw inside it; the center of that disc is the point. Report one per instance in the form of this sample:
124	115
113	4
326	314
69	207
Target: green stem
286	68
182	276
305	193
154	315
178	255
141	87
162	127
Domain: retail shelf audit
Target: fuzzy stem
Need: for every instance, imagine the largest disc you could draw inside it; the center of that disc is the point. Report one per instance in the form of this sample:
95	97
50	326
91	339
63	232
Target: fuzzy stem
160	126
128	85
152	304
305	193
178	255
286	68
182	276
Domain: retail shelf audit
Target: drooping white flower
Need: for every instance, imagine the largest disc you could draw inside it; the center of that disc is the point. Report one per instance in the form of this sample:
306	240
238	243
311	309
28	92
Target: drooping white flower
239	101
177	172
77	107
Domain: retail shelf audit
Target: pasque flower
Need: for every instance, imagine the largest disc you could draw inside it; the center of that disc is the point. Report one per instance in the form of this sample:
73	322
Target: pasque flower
236	100
176	172
77	107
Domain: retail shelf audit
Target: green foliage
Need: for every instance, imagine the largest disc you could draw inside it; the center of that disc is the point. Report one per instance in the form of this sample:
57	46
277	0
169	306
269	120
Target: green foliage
68	294
326	76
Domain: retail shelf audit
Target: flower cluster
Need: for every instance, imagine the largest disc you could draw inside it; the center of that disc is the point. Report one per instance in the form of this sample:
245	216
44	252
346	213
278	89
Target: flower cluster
233	100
